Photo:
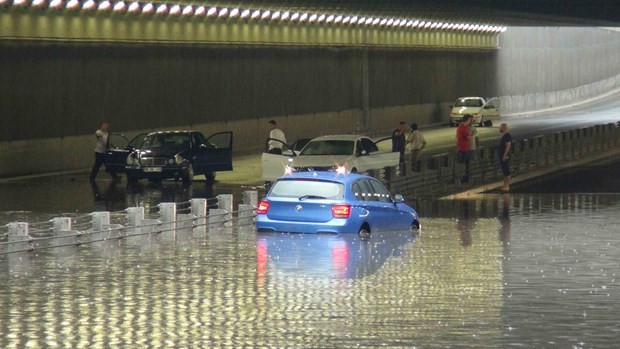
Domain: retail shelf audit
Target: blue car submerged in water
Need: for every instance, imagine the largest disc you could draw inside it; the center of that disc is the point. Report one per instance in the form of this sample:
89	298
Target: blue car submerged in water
333	203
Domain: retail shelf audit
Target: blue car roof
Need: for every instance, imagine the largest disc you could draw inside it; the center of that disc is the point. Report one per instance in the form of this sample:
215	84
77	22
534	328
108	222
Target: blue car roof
326	175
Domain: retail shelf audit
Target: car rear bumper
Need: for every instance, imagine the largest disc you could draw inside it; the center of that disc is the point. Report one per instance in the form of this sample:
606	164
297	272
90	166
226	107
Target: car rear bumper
334	226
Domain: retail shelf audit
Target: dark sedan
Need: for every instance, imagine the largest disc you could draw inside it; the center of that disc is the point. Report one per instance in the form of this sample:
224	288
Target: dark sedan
173	155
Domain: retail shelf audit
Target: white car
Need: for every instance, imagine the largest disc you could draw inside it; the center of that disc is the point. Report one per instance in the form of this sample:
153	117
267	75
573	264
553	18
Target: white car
478	107
345	153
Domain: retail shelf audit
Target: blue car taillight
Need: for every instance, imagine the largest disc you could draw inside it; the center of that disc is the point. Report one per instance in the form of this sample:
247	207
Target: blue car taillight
263	207
341	210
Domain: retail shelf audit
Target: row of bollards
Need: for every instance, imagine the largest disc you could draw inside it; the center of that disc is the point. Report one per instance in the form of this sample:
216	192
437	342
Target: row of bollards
200	219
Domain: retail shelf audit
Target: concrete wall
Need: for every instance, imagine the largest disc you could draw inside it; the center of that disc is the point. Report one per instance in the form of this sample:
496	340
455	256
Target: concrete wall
53	95
549	67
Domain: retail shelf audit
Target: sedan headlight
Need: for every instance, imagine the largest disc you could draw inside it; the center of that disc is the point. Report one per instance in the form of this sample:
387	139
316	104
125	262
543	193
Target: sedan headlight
178	159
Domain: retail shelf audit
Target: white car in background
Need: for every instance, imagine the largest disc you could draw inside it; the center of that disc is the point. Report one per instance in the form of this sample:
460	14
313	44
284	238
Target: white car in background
344	153
478	107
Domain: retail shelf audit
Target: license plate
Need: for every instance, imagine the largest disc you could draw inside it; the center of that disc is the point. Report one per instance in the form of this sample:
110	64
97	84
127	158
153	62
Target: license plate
152	169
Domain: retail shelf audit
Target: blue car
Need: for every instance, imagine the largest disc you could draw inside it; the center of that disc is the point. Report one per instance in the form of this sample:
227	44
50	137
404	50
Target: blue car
333	203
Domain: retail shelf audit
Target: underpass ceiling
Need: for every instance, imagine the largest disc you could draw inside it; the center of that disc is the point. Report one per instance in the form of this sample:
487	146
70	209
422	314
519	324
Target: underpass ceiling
506	13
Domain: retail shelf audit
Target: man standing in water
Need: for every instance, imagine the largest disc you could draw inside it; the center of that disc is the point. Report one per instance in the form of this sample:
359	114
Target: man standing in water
100	151
464	154
503	151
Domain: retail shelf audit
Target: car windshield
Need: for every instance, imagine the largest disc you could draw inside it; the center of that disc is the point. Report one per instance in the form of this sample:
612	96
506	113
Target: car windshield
468	102
307	188
328	147
169	141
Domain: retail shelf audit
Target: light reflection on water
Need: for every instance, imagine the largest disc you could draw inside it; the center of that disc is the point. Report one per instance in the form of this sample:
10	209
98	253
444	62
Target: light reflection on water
522	270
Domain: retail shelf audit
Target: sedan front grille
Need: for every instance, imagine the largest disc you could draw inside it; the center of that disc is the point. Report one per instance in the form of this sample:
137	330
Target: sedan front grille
153	161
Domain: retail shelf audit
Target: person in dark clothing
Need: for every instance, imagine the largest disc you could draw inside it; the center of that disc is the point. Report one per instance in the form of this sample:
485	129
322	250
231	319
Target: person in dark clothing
503	151
398	140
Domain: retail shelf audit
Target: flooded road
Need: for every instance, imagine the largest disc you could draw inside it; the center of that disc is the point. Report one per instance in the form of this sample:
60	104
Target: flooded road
528	269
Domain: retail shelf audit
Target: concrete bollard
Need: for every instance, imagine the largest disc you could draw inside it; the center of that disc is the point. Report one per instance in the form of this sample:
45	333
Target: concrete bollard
19	237
199	210
217	218
225	202
167	217
61	224
62	227
250	197
100	222
135	218
246	214
185	225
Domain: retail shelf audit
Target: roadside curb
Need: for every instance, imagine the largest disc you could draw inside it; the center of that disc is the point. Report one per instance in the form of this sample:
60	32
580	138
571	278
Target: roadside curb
603	157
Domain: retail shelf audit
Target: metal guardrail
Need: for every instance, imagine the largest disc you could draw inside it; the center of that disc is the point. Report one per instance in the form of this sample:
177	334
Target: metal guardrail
440	174
170	219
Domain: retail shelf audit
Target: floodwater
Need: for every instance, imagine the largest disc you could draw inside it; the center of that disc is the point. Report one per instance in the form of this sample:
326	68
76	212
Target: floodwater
525	270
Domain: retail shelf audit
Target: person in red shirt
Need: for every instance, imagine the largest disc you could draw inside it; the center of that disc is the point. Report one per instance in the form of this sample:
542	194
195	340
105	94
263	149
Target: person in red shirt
463	145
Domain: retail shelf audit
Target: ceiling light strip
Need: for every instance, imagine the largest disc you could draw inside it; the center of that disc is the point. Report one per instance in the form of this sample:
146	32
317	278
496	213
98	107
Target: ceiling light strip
176	9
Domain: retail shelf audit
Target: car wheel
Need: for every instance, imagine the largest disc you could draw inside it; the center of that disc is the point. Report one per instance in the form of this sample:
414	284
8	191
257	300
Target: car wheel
364	232
210	176
188	177
415	228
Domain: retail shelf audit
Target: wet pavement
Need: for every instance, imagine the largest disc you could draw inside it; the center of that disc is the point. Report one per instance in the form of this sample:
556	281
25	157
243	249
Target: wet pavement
494	271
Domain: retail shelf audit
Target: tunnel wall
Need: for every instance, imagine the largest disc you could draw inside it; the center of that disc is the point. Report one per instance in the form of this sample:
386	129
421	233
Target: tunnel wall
550	67
53	95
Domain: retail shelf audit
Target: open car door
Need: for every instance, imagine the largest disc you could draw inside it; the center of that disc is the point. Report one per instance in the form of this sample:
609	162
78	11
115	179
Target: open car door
377	154
215	154
119	147
274	164
490	110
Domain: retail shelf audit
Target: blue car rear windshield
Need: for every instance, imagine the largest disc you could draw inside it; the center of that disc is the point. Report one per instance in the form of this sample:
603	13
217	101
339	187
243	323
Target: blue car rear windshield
310	188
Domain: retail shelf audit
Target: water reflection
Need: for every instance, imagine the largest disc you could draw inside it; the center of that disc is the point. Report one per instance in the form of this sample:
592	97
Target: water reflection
465	223
504	219
339	256
231	288
496	271
57	196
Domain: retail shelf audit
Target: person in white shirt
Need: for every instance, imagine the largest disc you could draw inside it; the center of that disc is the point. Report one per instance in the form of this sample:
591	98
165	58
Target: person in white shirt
275	135
415	142
473	145
100	150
